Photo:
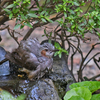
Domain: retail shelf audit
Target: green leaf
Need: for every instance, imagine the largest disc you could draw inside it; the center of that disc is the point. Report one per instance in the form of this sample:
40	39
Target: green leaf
63	50
95	97
64	8
50	34
21	26
10	16
76	98
21	97
28	24
49	40
8	11
22	16
98	34
15	11
91	22
81	92
17	26
76	4
45	31
56	53
33	15
65	14
4	95
51	21
71	11
60	54
56	45
10	6
43	12
43	20
91	85
43	35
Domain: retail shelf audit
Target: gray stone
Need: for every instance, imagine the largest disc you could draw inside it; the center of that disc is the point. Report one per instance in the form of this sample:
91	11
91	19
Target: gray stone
4	68
39	90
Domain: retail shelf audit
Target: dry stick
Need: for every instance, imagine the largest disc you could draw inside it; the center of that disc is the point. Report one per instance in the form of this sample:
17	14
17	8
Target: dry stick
90	59
74	52
89	53
55	32
72	59
94	77
3	19
65	67
83	60
80	71
12	35
95	60
4	60
4	27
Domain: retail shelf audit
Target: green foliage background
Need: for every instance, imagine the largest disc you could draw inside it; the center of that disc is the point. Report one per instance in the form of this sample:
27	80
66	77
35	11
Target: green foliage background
77	17
74	18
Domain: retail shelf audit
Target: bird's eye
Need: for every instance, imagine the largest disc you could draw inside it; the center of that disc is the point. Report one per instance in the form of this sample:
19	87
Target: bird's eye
46	49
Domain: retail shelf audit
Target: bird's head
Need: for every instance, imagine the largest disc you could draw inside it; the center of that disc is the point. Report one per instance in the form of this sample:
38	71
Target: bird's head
47	50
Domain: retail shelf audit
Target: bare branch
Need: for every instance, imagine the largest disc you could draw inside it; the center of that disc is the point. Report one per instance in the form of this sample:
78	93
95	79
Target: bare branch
94	77
3	19
12	35
4	27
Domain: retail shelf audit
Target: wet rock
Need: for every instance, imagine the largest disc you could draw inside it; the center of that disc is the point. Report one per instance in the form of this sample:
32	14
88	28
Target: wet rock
4	68
61	78
9	84
38	90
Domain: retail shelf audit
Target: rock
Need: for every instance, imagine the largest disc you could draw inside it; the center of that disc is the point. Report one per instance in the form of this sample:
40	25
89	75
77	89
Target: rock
61	78
39	90
4	68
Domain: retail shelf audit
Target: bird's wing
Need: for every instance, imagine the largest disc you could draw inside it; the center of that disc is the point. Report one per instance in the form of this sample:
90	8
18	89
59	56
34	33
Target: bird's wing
30	45
30	61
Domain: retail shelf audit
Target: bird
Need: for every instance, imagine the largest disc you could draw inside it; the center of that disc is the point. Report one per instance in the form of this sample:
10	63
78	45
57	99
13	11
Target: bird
35	58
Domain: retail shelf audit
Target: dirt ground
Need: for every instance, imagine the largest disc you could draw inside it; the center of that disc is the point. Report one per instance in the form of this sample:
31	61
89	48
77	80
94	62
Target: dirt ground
91	69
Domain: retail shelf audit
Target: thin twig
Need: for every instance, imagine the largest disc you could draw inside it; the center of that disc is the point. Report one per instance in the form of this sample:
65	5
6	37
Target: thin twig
12	35
94	77
4	60
4	27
